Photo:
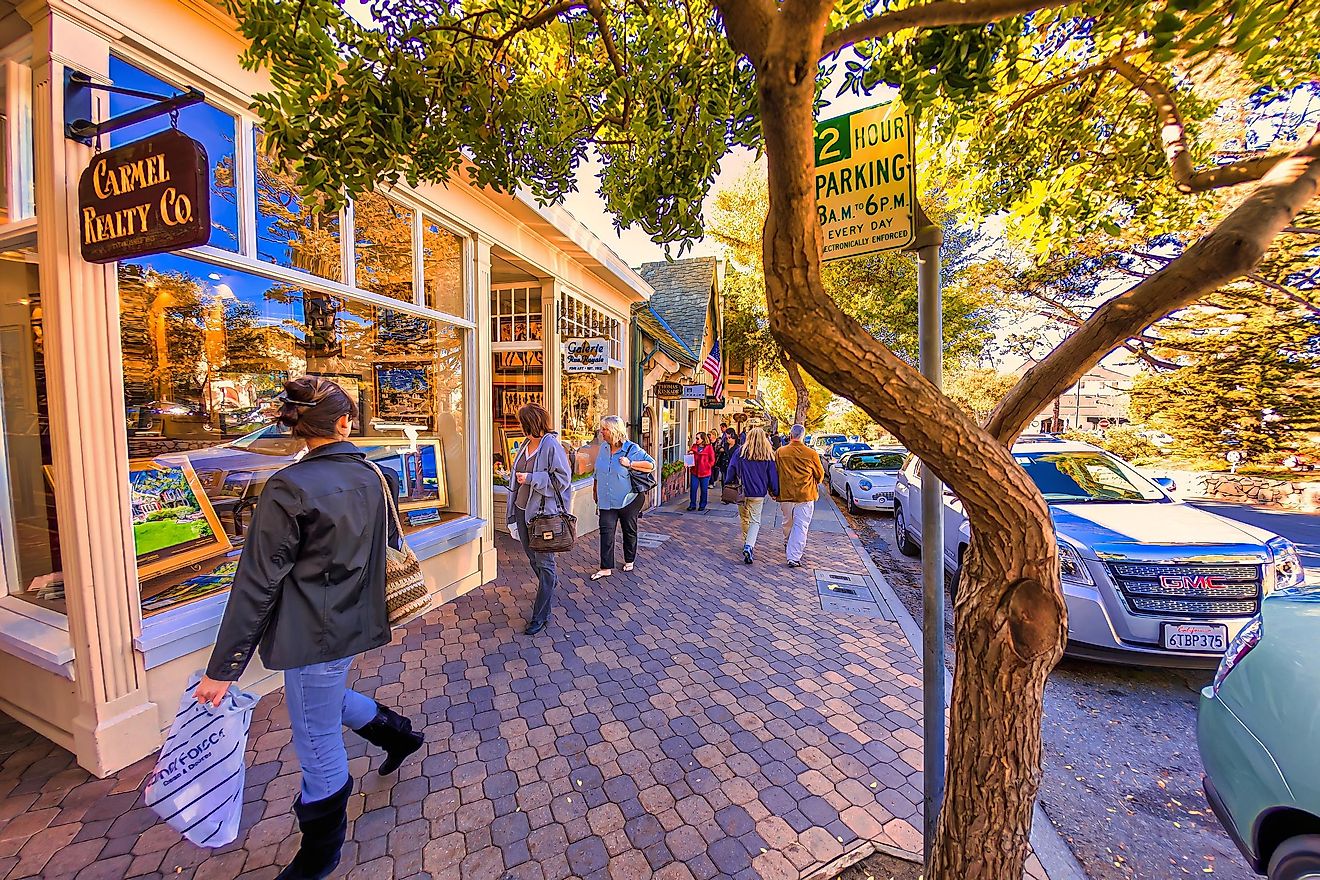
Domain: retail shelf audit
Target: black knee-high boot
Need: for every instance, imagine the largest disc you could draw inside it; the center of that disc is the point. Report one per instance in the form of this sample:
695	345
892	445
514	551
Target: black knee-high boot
393	733
324	826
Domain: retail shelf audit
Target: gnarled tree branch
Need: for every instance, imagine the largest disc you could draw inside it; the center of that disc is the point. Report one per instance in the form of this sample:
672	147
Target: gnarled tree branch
1226	253
940	13
749	23
1173	134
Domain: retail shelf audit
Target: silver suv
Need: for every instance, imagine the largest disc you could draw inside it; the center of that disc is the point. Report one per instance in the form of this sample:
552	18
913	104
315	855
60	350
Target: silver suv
1147	578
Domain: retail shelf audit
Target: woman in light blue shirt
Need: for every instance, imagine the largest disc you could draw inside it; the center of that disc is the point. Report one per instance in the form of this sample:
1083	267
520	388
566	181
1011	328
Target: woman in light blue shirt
619	505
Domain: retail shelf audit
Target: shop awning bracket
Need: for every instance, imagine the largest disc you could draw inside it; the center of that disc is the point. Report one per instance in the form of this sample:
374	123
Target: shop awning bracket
78	88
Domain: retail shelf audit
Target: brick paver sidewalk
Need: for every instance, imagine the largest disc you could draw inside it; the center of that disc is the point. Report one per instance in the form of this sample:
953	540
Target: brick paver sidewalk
696	717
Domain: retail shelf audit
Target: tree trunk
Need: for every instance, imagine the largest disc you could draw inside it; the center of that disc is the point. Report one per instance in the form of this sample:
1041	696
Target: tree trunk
1010	616
802	402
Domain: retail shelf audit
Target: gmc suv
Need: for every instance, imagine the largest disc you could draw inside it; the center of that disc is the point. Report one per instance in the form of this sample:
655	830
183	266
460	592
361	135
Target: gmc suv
1147	578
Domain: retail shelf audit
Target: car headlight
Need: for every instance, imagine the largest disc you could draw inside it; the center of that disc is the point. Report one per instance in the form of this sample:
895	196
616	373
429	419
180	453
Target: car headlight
1288	571
1071	567
865	485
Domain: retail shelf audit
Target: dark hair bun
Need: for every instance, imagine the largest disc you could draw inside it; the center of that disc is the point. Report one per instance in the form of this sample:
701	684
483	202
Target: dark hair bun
291	413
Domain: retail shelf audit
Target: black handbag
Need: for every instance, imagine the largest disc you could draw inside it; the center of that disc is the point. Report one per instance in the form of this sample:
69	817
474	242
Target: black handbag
552	532
642	481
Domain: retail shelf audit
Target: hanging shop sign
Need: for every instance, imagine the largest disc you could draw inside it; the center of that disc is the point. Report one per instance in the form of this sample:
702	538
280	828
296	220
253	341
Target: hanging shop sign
694	392
668	391
865	185
712	402
147	197
586	356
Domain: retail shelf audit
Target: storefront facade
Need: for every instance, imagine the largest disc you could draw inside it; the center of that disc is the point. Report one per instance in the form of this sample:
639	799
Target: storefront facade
137	395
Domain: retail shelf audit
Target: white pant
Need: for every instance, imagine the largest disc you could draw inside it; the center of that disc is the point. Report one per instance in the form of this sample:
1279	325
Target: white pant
797	522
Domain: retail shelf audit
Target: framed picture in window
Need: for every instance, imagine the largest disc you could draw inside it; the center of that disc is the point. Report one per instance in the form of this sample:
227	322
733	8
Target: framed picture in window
405	393
513	444
421	471
174	524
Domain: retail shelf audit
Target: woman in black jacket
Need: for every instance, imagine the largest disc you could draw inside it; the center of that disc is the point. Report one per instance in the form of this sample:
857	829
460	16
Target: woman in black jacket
309	595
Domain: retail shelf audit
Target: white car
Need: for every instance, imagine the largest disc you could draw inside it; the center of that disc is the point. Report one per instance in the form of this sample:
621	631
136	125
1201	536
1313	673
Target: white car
1147	578
866	478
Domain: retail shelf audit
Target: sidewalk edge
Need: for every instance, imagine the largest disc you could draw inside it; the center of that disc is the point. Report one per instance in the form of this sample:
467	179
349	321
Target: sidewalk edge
1055	856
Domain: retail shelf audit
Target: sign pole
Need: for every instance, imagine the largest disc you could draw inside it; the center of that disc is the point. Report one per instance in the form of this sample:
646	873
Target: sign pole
930	338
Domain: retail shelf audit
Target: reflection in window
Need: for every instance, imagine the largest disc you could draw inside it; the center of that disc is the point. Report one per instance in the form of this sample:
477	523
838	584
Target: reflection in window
293	230
29	534
206	352
585	401
211	126
16	175
442	268
383	246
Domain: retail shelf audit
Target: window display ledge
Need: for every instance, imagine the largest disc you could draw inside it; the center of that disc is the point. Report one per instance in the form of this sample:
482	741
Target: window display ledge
180	631
446	536
36	635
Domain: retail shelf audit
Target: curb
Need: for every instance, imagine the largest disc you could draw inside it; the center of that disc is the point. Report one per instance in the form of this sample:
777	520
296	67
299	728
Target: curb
1054	855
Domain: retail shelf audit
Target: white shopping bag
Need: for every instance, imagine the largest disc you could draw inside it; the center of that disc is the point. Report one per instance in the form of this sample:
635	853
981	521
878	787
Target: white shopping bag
197	786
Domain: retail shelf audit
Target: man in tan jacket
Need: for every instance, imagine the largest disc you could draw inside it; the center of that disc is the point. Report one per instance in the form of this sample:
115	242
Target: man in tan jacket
800	473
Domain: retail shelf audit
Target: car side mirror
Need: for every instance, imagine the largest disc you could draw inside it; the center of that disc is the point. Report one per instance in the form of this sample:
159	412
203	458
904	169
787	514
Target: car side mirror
1166	483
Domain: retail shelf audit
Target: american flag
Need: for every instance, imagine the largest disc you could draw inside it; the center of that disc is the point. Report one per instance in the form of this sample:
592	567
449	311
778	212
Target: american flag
713	366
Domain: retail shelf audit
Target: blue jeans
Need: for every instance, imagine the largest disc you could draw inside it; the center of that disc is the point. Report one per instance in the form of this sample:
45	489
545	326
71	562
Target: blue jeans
320	705
695	483
543	564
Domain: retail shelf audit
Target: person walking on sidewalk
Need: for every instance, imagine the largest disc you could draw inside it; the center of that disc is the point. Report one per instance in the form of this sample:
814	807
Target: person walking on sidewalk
309	596
727	445
541	483
754	467
619	505
703	462
800	473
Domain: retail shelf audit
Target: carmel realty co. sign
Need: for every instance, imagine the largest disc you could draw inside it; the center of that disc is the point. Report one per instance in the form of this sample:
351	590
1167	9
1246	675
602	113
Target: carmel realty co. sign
146	197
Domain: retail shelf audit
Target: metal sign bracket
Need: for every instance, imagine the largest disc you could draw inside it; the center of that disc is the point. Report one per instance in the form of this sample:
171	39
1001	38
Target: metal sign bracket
78	88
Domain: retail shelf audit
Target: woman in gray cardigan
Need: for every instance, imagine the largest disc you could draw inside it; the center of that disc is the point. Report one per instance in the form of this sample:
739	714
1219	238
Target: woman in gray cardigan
541	481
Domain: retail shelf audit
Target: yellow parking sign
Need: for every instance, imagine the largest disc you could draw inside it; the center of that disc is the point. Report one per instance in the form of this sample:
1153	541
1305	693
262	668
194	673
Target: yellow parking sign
865	182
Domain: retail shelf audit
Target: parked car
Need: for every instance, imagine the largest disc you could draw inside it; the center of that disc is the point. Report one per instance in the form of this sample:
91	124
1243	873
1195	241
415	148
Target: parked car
831	457
1147	578
1257	729
866	478
822	442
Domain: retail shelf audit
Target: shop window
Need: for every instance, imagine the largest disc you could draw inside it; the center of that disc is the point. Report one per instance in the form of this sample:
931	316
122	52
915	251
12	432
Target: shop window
585	400
211	126
580	320
293	230
206	350
29	533
671	433
515	313
383	246
16	180
442	269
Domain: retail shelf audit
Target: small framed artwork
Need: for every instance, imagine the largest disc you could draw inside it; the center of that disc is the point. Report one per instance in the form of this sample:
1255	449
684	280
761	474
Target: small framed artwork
420	470
513	444
174	524
405	392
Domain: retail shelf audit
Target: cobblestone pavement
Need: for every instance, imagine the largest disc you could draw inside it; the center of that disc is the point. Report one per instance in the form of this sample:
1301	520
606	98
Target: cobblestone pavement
694	718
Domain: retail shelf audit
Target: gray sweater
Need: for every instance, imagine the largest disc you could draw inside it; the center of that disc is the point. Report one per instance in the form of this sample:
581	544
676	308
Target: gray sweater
550	479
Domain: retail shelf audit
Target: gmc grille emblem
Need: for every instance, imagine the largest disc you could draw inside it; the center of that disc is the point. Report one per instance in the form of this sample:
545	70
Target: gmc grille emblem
1190	582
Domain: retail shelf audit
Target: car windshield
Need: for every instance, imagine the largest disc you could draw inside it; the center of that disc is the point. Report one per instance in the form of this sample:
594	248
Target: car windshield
880	461
1086	477
841	448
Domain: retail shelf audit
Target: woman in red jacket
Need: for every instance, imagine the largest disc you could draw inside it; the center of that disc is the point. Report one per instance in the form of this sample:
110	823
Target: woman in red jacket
703	462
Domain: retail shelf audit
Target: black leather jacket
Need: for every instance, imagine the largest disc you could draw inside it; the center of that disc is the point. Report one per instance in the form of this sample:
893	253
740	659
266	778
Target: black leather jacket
310	585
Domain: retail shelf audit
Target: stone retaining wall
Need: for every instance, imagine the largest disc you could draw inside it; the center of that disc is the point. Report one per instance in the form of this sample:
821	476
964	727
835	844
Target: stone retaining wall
1244	489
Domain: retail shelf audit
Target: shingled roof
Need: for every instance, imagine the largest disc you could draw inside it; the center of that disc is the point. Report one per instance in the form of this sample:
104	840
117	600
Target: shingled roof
665	339
682	296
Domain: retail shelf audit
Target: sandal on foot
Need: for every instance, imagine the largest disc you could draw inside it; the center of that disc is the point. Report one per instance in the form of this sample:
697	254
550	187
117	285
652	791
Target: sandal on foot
603	573
628	566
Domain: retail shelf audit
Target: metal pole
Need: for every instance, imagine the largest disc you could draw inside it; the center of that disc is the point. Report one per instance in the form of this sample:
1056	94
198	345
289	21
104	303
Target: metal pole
930	336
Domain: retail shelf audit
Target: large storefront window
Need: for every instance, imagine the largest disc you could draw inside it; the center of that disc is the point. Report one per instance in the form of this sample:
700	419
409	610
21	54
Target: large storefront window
211	126
585	401
29	534
671	433
206	351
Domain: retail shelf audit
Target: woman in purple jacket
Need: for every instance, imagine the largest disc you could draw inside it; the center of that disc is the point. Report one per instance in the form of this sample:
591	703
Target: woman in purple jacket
754	465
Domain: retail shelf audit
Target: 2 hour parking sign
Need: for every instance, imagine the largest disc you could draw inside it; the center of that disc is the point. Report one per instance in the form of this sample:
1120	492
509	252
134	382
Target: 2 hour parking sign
865	185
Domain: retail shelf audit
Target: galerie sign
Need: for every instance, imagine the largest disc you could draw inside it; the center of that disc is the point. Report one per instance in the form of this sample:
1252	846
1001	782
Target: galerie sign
586	356
865	185
146	197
